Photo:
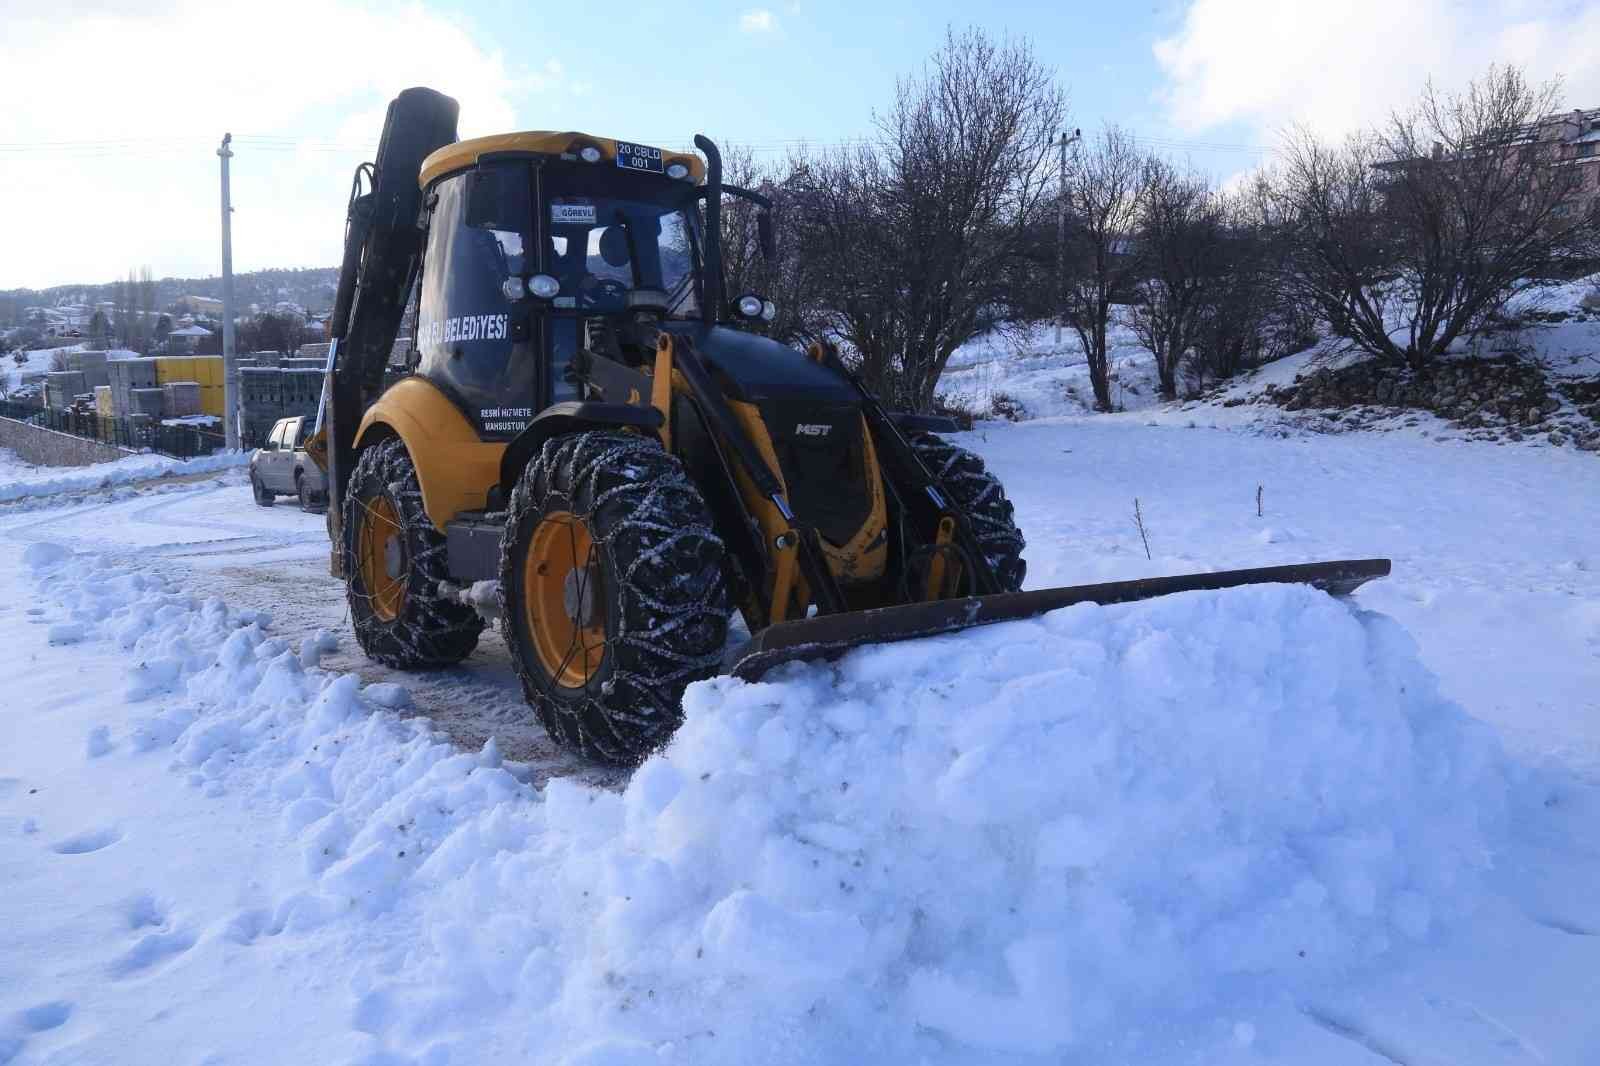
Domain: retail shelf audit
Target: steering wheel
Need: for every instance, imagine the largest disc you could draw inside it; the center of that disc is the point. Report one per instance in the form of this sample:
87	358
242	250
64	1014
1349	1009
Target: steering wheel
595	289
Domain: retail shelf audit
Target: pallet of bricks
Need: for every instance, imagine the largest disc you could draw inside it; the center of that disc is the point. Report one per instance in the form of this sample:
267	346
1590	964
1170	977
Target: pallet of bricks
302	387
202	370
182	399
260	401
125	376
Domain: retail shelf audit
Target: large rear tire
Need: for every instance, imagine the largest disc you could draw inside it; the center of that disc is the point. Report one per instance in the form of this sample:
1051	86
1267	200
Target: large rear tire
613	592
981	497
394	560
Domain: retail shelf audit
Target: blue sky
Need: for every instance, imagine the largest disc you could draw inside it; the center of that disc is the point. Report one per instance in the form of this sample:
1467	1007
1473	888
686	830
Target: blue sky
115	107
815	69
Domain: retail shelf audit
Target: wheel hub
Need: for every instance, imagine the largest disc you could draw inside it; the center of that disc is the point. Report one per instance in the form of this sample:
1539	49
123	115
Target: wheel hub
578	597
381	558
564	605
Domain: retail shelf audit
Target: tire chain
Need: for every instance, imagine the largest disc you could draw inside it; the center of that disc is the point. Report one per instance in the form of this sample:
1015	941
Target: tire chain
645	514
980	495
430	631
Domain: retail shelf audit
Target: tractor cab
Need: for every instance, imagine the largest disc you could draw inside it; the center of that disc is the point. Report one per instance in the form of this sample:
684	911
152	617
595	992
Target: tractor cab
541	246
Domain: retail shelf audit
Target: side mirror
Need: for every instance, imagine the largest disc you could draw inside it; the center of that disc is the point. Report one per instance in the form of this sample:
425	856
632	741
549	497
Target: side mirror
769	243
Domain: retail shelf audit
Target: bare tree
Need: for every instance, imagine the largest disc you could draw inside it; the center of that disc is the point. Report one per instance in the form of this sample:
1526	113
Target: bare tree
121	311
914	237
1409	237
99	328
145	288
1104	198
786	279
1184	246
1250	315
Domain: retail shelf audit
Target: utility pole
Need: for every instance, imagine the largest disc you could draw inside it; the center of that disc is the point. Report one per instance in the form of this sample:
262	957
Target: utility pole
1061	227
230	362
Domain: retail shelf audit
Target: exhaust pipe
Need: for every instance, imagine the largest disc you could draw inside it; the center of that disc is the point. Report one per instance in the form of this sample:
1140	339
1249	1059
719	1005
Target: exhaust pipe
713	238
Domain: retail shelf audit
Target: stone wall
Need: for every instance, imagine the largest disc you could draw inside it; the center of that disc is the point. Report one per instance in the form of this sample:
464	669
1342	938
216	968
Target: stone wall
1498	398
46	447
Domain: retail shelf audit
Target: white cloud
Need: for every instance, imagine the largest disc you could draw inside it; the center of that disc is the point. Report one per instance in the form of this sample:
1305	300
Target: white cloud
759	20
1340	66
144	93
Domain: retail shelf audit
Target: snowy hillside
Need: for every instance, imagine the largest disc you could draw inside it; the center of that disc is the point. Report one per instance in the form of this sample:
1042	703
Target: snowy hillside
1028	374
1260	826
1033	375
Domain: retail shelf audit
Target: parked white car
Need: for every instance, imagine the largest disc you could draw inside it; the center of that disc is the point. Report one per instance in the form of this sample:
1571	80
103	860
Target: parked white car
281	467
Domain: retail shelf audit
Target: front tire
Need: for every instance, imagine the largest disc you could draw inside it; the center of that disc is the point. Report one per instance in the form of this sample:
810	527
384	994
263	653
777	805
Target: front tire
611	579
982	499
259	491
394	559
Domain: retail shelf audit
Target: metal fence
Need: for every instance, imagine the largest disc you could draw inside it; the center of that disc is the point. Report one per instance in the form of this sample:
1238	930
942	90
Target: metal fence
181	442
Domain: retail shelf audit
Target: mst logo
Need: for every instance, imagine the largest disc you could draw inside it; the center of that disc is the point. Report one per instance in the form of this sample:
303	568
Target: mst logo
812	429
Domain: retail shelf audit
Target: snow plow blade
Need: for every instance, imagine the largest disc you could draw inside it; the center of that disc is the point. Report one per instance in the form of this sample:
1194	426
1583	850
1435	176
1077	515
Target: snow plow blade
828	636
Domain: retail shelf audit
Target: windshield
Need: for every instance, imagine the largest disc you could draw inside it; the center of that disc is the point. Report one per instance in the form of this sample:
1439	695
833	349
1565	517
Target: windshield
610	233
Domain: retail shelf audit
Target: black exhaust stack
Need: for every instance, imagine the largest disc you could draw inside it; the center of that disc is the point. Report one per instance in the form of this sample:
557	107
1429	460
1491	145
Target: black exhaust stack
713	194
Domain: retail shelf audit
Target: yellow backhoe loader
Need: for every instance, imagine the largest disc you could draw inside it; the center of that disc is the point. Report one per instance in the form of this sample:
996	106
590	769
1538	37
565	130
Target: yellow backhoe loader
602	442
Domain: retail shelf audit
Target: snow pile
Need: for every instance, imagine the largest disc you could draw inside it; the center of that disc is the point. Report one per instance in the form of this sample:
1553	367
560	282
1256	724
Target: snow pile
1098	830
19	480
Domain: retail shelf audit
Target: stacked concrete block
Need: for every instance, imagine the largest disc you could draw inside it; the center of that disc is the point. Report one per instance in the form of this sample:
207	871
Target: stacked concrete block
127	375
301	390
147	402
93	367
102	401
182	399
206	370
61	386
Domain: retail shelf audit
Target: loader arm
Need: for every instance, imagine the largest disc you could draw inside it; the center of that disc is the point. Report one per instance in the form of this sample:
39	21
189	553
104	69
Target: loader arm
382	251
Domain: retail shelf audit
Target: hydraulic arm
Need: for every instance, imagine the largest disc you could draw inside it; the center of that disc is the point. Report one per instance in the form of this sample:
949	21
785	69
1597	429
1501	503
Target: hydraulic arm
382	250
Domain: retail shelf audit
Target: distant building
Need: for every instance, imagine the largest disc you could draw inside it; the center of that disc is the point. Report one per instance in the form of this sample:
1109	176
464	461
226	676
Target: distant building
1566	139
201	305
182	341
1575	139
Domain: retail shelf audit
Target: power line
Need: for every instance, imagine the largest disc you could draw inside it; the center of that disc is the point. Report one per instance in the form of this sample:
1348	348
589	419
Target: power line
291	143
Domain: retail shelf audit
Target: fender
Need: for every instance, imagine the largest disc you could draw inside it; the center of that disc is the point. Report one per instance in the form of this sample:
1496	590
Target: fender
571	416
455	468
911	422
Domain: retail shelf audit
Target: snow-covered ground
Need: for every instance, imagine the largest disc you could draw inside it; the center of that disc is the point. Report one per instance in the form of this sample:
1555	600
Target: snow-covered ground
1259	826
19	479
34	361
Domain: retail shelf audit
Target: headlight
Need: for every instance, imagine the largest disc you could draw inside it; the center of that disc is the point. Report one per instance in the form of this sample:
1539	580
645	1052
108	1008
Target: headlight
589	154
543	286
750	306
769	310
512	287
677	171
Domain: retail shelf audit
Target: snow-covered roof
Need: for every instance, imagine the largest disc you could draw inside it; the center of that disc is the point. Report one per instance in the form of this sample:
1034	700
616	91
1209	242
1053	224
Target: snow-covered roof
190	331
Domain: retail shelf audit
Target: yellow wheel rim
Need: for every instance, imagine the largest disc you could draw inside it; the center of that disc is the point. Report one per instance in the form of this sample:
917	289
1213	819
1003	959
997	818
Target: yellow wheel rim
564	604
381	557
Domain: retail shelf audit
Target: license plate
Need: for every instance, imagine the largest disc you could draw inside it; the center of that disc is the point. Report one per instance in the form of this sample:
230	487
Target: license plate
638	157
